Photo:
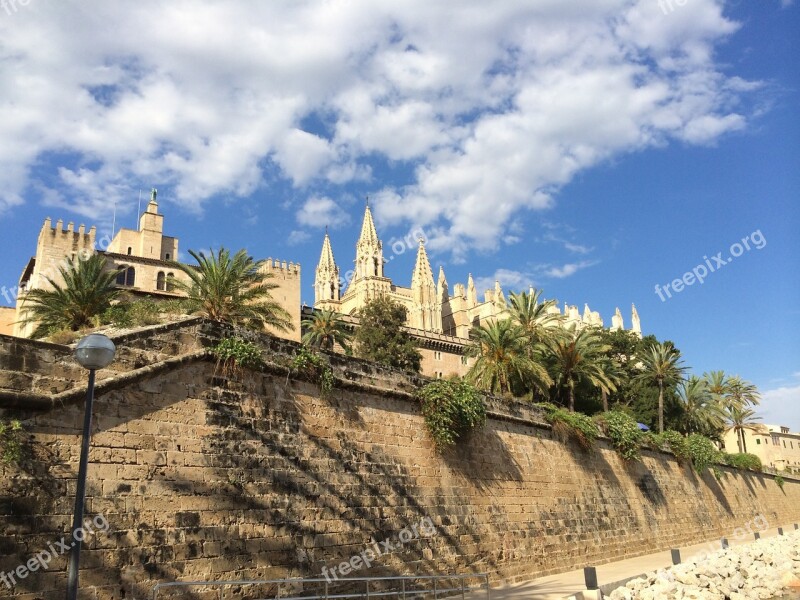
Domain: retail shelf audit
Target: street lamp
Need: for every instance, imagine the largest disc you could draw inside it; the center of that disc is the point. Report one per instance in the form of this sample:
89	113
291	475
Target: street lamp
93	352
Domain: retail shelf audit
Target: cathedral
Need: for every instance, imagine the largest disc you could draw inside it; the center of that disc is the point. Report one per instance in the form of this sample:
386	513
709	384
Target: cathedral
439	320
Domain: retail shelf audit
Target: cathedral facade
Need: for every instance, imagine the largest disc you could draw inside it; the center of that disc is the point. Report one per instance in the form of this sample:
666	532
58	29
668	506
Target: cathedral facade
438	319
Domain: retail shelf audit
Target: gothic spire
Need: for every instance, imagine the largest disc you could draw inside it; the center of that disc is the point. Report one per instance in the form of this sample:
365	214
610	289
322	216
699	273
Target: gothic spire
326	259
368	233
423	275
326	280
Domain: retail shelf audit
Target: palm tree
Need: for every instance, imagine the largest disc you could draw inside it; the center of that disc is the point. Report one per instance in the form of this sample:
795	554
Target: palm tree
702	412
581	355
503	359
717	383
741	419
532	316
324	329
742	393
661	364
232	289
87	291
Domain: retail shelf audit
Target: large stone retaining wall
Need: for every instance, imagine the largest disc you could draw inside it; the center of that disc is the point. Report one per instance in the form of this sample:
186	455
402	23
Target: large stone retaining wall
199	477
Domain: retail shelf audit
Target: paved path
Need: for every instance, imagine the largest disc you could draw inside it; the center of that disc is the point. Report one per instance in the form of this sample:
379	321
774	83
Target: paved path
557	587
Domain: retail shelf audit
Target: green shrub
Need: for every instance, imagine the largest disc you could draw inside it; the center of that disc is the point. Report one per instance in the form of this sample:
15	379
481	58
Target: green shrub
744	461
570	425
451	409
11	441
137	313
673	441
312	366
624	432
702	452
235	354
779	480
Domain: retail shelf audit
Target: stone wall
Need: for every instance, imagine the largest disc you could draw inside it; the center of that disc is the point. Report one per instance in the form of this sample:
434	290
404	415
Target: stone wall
203	477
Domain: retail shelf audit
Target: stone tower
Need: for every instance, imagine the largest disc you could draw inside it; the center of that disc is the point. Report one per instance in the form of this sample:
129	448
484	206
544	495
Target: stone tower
426	311
326	280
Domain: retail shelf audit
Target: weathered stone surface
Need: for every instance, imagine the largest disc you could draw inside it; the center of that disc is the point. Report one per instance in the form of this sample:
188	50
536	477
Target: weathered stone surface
261	478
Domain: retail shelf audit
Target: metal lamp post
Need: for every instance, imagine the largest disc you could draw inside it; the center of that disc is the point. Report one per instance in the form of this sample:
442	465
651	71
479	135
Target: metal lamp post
93	352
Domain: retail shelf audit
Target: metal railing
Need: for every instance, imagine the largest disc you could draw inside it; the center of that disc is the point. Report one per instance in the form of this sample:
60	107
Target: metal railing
404	590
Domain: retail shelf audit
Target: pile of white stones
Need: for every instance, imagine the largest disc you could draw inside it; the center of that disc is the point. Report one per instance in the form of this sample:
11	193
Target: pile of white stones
759	570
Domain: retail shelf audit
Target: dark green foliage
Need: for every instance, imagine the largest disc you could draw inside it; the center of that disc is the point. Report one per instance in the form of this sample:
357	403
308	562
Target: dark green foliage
702	452
86	292
235	354
744	461
11	441
673	441
312	366
639	398
623	431
570	425
232	289
779	480
451	409
381	338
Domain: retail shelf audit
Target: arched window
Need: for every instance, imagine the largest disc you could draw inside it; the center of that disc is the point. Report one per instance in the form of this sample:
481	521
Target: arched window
120	275
130	250
171	282
130	277
161	281
333	292
167	256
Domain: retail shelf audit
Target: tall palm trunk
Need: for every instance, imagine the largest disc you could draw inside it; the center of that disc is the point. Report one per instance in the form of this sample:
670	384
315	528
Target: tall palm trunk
571	399
604	396
660	406
744	441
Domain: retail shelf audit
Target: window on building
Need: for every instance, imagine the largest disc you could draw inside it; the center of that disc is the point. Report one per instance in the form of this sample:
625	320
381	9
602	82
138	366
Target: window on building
166	256
170	282
121	276
130	250
758	441
784	443
161	281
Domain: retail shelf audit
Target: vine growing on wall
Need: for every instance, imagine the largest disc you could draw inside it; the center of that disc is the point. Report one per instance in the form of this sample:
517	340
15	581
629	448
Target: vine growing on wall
623	431
11	433
310	365
570	425
451	408
235	354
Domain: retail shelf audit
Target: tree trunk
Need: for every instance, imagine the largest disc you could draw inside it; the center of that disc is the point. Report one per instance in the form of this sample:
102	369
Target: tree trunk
744	442
571	400
604	395
660	406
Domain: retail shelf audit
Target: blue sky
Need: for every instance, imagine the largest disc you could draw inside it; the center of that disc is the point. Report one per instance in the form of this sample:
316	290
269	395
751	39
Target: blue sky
593	148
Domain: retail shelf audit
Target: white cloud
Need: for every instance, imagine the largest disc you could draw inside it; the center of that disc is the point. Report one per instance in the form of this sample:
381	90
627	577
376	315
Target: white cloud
321	211
493	111
781	406
297	237
568	269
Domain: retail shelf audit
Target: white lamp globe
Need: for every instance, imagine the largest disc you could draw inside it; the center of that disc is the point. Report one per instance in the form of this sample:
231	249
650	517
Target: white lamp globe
95	351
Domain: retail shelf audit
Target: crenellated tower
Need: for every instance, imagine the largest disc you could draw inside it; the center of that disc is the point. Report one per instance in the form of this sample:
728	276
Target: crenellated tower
426	311
326	280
